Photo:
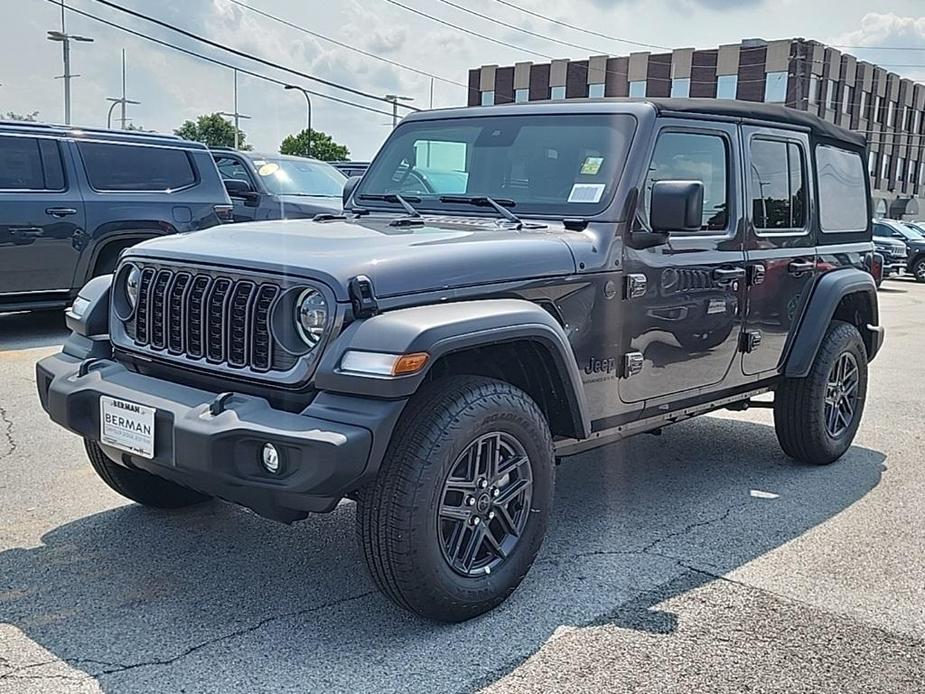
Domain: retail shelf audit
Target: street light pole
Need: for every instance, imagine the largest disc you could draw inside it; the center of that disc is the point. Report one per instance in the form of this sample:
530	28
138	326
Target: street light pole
236	117
65	40
395	98
308	113
122	101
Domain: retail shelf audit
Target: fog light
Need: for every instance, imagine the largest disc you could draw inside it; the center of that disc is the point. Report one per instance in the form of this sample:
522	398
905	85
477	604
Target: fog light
270	458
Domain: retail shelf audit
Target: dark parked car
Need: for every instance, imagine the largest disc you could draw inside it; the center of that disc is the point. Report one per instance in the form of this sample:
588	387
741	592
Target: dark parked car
608	270
913	235
71	199
888	242
276	186
351	168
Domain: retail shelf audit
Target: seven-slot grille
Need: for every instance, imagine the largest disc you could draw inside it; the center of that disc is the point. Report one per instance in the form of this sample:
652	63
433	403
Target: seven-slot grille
220	319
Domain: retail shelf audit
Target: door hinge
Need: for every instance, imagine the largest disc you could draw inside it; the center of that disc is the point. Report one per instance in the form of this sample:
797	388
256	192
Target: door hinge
750	341
635	287
632	364
756	274
362	297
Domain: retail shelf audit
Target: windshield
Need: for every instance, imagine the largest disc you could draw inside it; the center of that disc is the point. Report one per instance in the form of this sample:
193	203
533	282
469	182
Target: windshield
914	231
293	177
543	164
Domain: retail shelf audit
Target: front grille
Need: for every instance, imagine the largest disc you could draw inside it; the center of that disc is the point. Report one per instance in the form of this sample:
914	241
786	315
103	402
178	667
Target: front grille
222	320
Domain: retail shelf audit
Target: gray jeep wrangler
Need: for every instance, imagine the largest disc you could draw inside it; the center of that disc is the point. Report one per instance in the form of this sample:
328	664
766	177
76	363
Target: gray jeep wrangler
506	287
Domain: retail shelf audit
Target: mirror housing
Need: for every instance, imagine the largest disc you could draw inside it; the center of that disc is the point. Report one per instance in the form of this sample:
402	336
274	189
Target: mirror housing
241	190
349	186
676	206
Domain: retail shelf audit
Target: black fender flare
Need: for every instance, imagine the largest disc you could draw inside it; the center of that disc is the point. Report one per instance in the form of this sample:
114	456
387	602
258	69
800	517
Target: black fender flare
118	234
830	289
441	329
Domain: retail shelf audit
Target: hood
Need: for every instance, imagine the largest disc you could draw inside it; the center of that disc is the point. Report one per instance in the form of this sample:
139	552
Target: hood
442	254
885	241
308	206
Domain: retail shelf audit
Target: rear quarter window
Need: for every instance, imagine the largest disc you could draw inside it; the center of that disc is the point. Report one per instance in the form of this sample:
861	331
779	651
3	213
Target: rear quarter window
115	167
28	163
842	190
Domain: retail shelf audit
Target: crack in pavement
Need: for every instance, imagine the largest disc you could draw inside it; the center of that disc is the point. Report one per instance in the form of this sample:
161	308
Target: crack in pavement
7	434
118	668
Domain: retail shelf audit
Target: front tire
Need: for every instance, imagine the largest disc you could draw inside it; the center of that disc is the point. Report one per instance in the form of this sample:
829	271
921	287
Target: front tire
918	269
459	509
816	417
139	486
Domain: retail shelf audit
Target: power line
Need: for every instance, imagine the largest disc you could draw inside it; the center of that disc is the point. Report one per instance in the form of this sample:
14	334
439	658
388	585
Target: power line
216	61
582	29
243	54
464	30
521	29
347	46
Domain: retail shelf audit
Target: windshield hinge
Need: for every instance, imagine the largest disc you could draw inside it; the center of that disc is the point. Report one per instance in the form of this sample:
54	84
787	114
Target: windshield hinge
362	297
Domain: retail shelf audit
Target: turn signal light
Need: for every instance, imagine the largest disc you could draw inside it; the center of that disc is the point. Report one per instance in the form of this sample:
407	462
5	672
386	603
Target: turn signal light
409	363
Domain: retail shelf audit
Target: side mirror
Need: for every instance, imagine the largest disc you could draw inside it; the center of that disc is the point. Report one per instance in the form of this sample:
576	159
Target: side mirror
349	187
241	190
676	206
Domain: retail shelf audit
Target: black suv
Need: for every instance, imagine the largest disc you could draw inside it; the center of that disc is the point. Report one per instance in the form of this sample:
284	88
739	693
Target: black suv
889	241
277	186
612	267
71	199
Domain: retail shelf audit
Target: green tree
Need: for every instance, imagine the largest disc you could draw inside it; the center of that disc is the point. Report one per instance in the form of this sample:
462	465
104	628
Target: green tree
10	115
323	146
211	130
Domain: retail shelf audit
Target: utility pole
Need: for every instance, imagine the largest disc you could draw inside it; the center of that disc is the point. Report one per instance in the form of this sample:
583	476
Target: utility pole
395	98
308	113
65	40
235	116
123	101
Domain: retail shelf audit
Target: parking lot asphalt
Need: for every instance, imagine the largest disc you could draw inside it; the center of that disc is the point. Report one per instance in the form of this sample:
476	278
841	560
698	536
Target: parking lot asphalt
699	560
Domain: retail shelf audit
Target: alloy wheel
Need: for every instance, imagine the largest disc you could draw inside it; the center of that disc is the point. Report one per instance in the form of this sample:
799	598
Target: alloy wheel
841	395
485	504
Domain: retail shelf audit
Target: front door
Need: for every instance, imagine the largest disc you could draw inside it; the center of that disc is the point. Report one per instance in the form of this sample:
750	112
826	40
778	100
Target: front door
41	217
686	322
780	246
233	167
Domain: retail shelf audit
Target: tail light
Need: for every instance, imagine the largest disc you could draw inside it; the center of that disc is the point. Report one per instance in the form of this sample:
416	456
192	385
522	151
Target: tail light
224	212
875	266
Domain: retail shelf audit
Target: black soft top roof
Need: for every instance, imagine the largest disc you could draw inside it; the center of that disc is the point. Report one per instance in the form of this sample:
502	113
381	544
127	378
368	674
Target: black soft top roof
761	112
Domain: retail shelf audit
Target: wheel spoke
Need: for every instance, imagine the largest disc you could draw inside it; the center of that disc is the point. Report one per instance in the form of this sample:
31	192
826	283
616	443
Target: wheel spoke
512	491
510	466
453	512
494	543
472	546
504	517
832	419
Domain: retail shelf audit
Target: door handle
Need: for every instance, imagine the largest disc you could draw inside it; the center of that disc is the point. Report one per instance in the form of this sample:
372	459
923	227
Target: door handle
724	275
60	211
798	267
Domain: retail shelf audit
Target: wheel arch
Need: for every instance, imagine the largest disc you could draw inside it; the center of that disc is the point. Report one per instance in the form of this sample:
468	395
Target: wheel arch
117	241
848	295
512	340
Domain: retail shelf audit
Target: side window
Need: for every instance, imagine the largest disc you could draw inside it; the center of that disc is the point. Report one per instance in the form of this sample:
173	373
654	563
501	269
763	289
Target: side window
694	157
136	167
881	230
842	190
232	168
778	191
29	163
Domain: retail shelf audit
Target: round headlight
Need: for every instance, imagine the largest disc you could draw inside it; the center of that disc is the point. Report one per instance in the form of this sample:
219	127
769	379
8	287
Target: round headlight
311	316
132	283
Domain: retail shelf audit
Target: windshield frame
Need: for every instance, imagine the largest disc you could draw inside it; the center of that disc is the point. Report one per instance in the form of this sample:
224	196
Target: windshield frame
432	205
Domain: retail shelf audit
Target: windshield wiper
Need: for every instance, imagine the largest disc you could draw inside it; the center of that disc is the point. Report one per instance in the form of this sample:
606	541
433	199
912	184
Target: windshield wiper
498	205
414	217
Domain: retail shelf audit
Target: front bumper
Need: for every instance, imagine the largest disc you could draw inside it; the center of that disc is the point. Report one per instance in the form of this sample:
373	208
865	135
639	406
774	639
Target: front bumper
329	450
893	267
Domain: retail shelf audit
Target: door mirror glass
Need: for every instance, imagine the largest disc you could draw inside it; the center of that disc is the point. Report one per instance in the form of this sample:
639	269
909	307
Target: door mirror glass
349	187
676	206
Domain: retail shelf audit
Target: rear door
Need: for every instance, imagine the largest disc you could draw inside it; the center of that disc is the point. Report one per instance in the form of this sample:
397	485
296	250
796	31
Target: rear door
686	326
41	216
780	243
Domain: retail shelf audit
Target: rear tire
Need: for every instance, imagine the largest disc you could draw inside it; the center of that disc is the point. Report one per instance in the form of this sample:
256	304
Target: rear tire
466	447
817	417
139	486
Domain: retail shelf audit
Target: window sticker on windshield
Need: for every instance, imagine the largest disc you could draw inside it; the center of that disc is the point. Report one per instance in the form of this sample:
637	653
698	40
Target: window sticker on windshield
268	169
591	166
586	192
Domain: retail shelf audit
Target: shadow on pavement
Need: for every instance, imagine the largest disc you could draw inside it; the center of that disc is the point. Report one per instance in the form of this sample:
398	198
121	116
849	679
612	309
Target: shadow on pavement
216	599
29	329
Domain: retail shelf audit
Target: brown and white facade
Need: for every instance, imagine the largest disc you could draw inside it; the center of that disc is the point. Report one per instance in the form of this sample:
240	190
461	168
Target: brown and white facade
798	73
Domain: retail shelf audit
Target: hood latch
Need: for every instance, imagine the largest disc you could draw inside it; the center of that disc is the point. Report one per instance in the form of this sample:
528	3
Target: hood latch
362	297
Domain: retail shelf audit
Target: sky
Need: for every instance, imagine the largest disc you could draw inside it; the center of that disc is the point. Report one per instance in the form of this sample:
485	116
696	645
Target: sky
173	87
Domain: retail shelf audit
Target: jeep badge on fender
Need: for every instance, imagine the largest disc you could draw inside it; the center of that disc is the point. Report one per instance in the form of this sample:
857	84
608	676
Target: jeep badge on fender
434	350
